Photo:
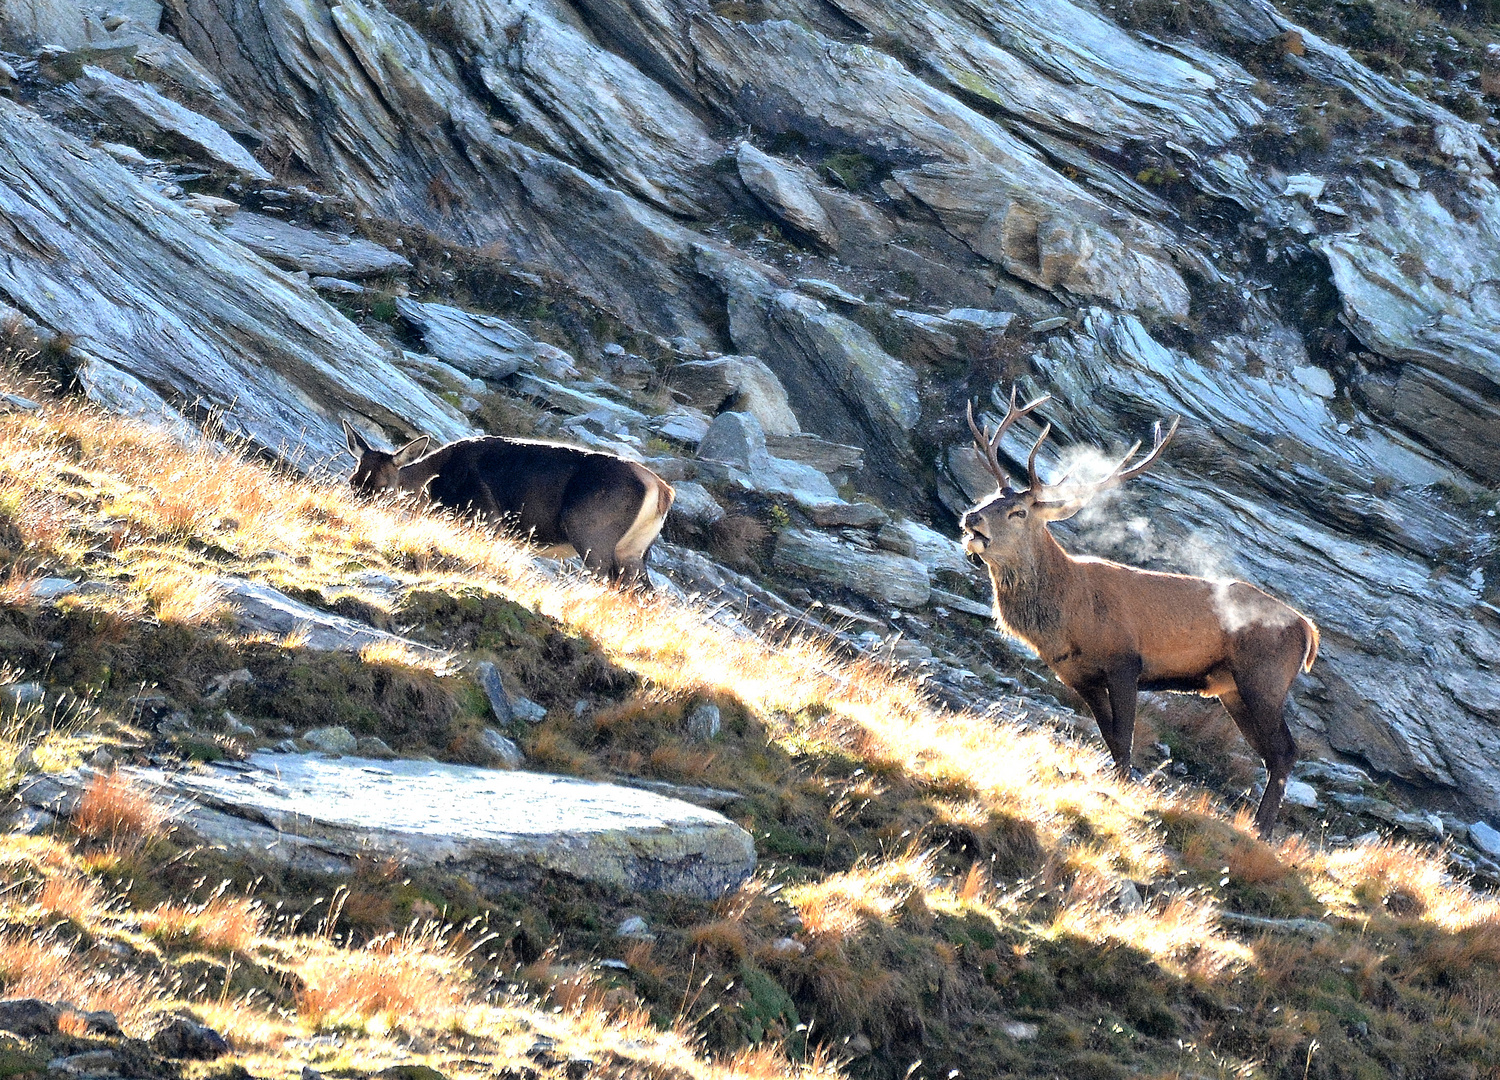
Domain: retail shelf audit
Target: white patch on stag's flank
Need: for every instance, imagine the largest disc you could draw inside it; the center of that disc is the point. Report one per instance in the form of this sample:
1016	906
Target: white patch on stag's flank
1250	607
648	520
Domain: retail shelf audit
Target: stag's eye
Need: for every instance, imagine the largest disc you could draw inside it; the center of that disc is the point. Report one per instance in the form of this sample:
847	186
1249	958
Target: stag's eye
1018	513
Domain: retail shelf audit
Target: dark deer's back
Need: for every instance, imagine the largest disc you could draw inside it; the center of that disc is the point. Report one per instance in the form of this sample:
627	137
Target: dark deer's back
530	485
602	507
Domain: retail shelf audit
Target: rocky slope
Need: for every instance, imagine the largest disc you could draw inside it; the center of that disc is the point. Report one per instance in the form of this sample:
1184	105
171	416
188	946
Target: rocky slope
563	217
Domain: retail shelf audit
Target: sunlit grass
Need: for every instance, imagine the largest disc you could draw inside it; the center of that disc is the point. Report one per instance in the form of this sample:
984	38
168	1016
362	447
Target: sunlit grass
412	977
141	497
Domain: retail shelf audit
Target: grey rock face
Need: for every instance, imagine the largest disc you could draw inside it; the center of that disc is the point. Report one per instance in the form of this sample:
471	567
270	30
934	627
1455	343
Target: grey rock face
158	304
315	250
158	120
318	812
737	384
889	578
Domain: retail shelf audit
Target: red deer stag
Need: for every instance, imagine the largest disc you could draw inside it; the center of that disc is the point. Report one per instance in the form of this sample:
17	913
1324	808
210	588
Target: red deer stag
1107	630
570	500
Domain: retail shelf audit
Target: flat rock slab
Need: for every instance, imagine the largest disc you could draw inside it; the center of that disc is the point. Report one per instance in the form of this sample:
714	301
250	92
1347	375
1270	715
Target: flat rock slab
499	827
317	251
259	607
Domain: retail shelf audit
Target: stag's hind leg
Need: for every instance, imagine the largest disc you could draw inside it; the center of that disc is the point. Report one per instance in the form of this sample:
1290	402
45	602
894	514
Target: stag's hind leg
1258	714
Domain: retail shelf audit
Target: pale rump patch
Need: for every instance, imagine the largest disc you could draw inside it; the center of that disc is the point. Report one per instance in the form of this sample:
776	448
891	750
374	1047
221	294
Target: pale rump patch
648	520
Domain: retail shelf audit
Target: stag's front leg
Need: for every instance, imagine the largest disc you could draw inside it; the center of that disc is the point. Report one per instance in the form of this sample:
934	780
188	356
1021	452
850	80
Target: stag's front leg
1096	694
1124	681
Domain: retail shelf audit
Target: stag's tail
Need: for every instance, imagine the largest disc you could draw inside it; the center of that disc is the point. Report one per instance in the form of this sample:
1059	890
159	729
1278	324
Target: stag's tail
1313	637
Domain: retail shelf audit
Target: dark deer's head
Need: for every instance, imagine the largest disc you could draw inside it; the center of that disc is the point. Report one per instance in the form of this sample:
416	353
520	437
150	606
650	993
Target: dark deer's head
1002	528
375	470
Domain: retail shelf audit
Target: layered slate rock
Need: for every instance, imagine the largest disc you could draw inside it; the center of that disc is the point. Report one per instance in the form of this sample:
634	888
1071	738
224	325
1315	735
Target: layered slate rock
315	250
317	813
165	312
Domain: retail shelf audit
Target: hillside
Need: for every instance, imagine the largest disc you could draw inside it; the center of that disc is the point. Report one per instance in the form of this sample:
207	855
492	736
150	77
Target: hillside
770	249
972	890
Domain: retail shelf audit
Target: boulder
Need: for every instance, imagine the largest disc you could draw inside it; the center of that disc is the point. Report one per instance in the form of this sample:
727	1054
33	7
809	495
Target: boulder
703	722
183	1037
483	346
787	191
318	251
505	750
737	384
331	740
1481	834
489	681
155	120
500	827
259	607
738	439
28	1017
881	576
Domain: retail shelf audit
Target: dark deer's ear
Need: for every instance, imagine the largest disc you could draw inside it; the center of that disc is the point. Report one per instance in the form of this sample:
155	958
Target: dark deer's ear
355	441
412	450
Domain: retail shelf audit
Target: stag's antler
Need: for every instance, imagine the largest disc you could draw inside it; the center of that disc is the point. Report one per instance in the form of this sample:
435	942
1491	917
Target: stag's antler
989	445
1076	500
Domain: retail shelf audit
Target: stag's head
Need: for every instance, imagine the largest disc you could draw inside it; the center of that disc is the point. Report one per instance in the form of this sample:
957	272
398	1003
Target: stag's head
375	470
1003	527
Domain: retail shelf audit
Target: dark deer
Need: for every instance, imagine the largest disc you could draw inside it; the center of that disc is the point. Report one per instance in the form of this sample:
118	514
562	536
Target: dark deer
565	498
1107	630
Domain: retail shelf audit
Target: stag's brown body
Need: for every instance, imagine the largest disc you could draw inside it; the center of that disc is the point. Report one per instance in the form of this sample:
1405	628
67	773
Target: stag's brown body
1108	630
567	499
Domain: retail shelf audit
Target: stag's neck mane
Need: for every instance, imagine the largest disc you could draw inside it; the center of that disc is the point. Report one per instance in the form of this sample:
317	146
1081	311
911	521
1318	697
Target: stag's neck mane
1030	591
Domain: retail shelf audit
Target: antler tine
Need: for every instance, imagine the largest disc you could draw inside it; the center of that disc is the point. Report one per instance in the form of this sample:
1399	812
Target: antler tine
989	444
988	448
1159	443
1031	477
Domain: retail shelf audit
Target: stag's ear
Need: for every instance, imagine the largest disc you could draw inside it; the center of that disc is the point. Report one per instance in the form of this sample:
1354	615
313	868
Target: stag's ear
411	451
355	441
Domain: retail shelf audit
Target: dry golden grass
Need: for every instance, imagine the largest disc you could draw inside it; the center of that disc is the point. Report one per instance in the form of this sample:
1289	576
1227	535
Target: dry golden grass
413	978
178	594
71	896
841	905
35	965
395	651
114	812
221	924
